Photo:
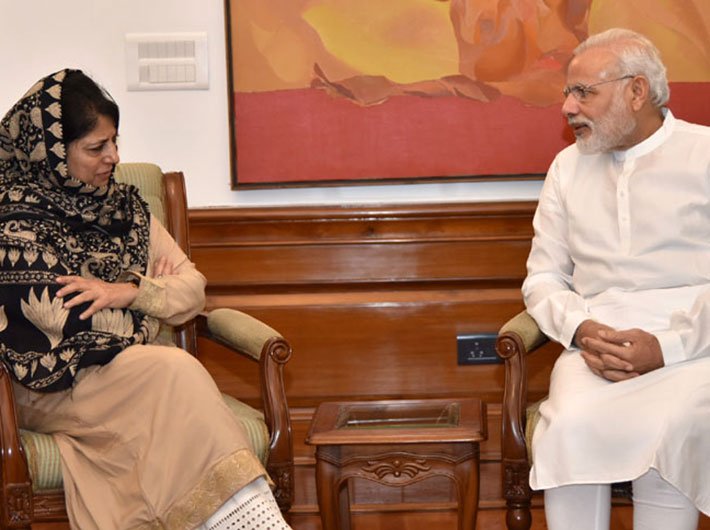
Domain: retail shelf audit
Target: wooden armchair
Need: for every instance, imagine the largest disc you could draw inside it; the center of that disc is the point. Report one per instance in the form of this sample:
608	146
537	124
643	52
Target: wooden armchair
30	469
518	338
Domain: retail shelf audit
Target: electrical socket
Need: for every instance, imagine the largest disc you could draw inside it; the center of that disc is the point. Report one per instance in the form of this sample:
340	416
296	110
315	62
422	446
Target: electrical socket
477	348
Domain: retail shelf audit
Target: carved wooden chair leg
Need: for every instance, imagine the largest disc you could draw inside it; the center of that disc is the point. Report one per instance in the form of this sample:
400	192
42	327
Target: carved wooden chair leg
517	496
518	516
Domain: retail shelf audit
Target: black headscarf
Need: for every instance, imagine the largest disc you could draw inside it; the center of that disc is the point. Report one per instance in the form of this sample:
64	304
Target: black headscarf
53	225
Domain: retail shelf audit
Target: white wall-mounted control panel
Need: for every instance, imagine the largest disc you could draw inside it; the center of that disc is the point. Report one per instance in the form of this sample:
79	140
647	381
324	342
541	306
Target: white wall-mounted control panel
167	61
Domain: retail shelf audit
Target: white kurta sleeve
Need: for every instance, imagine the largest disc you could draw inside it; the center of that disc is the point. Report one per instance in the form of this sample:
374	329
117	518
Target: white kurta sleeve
548	293
174	298
688	336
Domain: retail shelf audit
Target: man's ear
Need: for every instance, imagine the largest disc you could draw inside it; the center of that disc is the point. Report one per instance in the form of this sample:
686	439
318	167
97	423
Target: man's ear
640	92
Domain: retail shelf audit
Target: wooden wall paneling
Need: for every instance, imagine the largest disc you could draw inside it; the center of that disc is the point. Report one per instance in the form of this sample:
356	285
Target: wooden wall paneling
372	299
310	247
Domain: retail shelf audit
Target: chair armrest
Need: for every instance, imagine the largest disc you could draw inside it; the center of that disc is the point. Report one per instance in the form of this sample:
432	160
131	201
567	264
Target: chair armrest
249	336
17	491
520	334
237	331
517	338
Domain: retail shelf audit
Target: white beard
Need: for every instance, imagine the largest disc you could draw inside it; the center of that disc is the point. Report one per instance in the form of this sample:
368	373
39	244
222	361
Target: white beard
609	131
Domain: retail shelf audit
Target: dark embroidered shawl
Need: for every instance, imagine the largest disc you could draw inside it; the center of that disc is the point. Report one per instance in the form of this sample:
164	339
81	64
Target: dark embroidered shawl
52	225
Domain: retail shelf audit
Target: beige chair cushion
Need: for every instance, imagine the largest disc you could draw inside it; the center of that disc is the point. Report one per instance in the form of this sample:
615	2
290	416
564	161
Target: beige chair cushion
532	415
45	464
148	178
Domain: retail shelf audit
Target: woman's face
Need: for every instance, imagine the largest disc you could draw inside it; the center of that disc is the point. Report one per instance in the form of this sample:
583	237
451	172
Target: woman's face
92	157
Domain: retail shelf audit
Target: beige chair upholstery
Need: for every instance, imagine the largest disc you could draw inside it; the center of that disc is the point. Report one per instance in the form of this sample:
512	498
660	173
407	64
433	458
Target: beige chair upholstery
30	462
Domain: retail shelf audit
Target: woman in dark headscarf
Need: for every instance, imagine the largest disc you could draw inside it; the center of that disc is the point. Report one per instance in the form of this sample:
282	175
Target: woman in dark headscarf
86	275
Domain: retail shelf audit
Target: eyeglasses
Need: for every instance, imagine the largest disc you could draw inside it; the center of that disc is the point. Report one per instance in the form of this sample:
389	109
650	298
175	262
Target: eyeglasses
580	91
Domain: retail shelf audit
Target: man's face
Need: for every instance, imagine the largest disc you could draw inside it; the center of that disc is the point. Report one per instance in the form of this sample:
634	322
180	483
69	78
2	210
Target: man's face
596	105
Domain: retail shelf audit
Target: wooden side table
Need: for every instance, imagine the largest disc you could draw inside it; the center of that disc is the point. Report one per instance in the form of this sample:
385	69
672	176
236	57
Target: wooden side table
396	443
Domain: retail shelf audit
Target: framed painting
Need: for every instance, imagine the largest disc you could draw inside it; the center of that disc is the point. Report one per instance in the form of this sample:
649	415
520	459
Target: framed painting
330	92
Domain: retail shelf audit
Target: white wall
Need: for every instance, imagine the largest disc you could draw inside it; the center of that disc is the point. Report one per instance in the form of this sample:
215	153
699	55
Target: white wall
179	130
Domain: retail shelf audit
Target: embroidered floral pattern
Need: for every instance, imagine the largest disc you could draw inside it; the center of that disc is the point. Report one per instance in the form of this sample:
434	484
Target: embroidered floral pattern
113	321
48	316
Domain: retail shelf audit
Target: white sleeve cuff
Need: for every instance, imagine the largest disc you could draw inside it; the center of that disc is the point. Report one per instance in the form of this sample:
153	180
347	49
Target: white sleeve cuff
671	346
572	322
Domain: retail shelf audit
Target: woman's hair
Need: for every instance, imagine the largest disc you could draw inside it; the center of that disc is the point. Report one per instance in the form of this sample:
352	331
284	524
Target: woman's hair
636	55
83	101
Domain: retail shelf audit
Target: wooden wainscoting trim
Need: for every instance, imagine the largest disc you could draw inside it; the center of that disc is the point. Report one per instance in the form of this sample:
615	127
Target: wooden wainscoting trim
319	247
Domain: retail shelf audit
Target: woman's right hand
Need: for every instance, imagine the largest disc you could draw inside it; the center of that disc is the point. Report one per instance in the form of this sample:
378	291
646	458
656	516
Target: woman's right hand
98	293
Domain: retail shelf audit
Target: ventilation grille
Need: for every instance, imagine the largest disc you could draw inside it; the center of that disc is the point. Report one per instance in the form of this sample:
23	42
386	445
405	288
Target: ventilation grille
167	61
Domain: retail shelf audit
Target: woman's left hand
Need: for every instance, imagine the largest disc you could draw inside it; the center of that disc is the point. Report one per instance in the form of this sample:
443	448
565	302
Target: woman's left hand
99	293
162	267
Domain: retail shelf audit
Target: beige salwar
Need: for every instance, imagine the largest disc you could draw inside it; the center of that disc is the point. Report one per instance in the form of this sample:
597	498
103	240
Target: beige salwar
146	440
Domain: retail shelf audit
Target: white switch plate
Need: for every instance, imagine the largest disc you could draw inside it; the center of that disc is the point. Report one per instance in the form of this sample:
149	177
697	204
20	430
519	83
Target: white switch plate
167	61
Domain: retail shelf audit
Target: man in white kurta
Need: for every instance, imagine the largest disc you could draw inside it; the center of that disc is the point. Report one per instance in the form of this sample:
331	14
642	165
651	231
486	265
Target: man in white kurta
619	274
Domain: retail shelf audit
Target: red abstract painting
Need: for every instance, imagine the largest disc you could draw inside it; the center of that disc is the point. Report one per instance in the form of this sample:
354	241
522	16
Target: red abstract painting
327	92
